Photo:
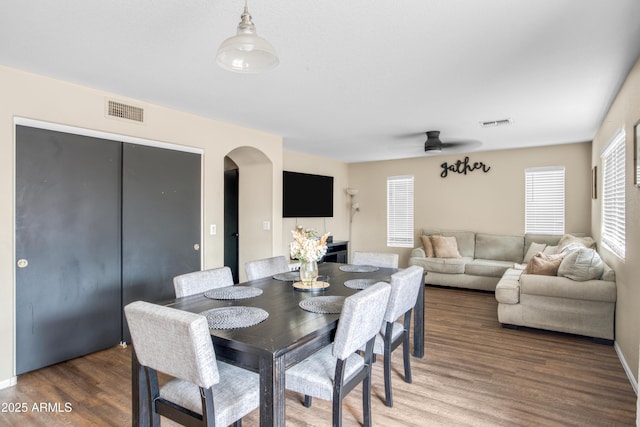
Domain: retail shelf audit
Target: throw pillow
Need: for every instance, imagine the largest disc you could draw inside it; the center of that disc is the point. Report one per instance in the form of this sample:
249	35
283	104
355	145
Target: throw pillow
569	239
428	247
544	265
445	247
550	250
534	248
581	265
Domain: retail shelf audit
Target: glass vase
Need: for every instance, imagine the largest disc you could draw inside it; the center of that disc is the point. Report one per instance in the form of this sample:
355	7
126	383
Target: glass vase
308	272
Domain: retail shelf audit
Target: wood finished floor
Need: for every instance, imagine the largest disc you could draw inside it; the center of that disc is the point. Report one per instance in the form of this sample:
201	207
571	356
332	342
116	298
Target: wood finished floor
475	373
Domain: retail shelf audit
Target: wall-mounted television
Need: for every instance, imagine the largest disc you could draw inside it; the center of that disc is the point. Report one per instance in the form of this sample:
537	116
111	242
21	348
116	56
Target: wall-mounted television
306	196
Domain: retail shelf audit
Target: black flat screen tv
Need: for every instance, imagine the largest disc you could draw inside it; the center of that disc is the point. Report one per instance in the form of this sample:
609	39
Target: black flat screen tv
306	196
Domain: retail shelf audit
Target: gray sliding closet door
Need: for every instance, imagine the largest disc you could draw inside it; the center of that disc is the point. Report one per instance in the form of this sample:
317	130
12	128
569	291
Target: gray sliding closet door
161	221
68	298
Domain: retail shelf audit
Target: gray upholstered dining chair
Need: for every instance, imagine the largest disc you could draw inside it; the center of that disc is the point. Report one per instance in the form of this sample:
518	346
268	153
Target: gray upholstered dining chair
333	371
376	259
266	267
200	281
405	288
202	391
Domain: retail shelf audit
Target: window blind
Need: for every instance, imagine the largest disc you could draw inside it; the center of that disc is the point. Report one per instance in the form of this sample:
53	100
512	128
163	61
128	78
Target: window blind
613	195
544	200
400	211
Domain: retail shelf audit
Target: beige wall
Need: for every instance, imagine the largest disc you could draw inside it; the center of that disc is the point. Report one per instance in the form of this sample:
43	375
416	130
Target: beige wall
35	97
491	202
624	113
338	225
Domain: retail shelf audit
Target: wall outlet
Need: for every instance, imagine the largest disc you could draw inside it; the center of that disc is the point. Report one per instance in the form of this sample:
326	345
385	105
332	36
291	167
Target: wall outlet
266	225
213	230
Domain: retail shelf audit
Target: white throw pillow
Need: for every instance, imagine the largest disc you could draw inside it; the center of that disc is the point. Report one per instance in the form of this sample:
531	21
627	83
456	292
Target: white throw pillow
581	265
550	250
569	239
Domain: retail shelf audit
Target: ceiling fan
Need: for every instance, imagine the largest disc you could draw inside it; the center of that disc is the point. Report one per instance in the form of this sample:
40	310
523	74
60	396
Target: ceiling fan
433	144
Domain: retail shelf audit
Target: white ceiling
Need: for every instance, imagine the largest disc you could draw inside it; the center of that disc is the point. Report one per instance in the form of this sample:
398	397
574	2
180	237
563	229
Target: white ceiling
358	80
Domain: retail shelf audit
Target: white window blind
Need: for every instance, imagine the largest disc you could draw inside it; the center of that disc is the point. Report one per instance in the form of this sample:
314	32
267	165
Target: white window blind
544	200
613	195
400	211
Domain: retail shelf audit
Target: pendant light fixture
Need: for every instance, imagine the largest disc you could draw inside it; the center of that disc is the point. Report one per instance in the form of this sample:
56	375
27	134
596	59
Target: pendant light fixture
246	52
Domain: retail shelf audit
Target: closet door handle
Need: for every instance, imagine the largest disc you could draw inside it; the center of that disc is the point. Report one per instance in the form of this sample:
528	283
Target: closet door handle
196	247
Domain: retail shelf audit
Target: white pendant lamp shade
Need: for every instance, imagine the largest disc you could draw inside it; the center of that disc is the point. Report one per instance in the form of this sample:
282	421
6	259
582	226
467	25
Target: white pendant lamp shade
246	52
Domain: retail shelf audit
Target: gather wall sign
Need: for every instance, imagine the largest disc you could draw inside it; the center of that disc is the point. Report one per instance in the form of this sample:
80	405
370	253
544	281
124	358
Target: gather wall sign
463	167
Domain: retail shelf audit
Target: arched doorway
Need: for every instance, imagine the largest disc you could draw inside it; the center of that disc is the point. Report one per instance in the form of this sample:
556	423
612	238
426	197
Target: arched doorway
248	180
231	217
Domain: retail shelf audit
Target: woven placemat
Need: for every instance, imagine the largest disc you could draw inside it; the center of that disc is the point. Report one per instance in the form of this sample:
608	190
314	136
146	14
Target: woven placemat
359	283
351	268
233	292
234	317
287	276
323	304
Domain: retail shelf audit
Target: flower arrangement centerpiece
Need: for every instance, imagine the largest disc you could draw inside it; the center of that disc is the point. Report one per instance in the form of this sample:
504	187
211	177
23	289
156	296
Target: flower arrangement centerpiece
308	248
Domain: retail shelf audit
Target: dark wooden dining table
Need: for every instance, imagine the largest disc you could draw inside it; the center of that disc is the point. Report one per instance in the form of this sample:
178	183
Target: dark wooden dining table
287	336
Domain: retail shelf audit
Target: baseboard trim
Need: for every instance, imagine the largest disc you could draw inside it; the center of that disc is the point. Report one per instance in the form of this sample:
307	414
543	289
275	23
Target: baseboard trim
625	365
8	382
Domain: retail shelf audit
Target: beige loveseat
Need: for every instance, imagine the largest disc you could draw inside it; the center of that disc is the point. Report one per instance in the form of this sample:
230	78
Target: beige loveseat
583	304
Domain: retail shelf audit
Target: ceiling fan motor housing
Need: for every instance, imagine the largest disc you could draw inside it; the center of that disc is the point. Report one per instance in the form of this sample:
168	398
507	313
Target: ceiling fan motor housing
433	142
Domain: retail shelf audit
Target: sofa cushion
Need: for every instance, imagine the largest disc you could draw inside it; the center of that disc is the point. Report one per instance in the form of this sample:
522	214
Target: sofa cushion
445	246
581	265
545	265
466	239
562	287
445	265
428	247
534	248
499	248
547	239
487	267
569	239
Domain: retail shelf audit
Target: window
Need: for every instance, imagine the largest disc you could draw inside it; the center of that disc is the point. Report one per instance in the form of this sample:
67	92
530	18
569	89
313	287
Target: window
613	195
400	211
544	200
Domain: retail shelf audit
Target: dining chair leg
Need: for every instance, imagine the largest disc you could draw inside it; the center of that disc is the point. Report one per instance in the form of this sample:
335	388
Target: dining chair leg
307	401
366	398
405	347
153	391
387	380
387	366
407	358
337	413
338	392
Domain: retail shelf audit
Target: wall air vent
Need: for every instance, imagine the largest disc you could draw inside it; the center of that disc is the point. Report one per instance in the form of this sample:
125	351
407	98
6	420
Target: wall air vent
493	123
120	110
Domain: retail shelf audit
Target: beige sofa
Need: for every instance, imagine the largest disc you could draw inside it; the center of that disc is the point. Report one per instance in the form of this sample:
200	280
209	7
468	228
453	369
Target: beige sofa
496	263
558	303
484	258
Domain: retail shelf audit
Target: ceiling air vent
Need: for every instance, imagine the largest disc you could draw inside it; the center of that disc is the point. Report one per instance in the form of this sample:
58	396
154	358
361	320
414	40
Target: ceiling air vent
493	123
124	111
